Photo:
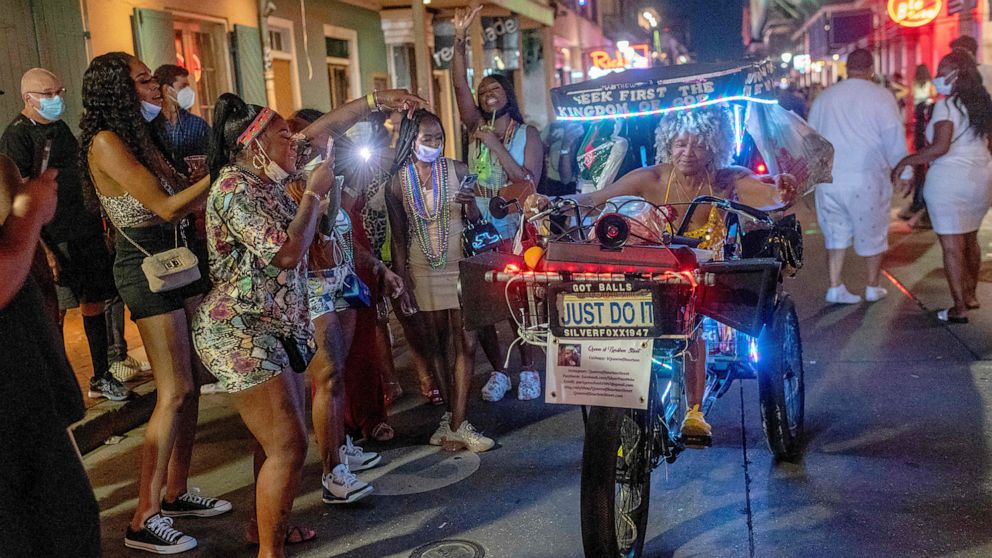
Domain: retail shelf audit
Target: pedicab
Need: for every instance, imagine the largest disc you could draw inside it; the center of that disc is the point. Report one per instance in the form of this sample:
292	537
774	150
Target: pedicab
615	295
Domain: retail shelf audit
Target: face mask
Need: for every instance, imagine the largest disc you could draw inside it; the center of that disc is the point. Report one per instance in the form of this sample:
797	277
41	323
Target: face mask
944	85
186	97
149	111
272	169
428	154
51	108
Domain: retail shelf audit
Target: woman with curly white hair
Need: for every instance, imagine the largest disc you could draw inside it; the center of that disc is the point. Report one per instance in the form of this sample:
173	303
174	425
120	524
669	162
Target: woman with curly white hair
694	151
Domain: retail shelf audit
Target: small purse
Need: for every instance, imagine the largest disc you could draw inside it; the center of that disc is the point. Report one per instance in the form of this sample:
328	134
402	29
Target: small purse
299	352
355	292
479	237
784	242
168	270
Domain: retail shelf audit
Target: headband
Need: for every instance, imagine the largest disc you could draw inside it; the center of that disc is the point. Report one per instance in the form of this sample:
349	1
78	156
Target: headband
261	120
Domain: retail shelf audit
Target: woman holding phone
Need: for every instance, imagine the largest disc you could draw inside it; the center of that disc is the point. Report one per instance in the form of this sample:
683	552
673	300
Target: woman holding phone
425	210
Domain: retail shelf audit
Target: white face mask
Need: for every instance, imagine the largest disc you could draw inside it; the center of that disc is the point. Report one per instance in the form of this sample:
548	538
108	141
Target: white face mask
185	97
428	154
271	169
149	111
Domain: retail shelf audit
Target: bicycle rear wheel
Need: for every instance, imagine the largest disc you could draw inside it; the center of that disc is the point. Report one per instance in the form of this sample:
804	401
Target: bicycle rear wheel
616	483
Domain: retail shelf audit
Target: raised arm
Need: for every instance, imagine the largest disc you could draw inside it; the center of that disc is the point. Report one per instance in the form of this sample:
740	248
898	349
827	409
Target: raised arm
336	122
467	110
112	157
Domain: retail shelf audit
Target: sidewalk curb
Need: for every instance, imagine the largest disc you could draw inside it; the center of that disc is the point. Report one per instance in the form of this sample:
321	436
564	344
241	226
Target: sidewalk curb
106	419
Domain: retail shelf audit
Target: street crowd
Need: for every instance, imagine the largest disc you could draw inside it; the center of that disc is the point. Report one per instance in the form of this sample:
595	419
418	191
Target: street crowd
263	253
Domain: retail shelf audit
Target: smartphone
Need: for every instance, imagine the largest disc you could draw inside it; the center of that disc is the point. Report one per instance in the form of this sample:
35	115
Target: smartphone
469	182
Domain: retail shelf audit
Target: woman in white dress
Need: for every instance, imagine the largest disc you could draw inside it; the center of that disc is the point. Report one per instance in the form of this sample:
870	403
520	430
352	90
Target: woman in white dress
958	187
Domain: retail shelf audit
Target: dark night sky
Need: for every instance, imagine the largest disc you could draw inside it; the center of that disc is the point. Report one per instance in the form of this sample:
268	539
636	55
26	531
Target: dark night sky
714	26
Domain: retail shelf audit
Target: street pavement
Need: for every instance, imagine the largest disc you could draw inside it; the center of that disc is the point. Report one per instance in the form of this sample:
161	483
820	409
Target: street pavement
897	462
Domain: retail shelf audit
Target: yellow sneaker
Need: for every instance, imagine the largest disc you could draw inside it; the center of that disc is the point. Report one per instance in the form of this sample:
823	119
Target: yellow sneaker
696	432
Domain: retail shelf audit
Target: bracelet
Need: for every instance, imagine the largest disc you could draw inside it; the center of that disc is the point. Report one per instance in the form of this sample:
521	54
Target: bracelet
314	195
370	99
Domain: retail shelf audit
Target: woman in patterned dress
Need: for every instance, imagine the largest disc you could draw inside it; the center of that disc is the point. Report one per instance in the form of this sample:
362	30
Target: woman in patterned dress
253	328
425	210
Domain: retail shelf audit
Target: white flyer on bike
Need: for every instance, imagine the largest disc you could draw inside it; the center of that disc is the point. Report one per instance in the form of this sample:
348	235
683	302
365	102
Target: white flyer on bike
599	372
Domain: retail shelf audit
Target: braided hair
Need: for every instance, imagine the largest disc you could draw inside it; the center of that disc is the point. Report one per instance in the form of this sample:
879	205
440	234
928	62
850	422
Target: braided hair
969	93
409	130
231	117
111	103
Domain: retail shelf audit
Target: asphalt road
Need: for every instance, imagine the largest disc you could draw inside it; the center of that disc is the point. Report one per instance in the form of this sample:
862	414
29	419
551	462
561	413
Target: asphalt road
896	465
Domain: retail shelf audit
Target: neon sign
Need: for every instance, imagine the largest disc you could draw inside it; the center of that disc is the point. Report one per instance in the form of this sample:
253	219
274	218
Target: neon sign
914	13
623	58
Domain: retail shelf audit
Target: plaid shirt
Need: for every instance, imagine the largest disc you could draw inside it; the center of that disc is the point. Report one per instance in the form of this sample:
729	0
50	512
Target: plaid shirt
189	136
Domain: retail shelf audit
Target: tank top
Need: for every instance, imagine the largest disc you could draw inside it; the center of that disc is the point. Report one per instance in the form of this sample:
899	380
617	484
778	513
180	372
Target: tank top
487	166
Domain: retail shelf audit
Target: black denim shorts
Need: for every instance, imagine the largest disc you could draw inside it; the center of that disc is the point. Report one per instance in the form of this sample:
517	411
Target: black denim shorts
131	281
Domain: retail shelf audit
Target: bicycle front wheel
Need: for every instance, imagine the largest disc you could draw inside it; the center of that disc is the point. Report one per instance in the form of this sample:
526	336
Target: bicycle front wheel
616	483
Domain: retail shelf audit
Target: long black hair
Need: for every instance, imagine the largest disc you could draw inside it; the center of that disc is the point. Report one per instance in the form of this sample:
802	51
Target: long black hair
231	117
111	103
512	107
969	92
409	129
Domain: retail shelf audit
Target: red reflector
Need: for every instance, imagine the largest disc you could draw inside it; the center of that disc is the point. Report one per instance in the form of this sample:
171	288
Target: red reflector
762	169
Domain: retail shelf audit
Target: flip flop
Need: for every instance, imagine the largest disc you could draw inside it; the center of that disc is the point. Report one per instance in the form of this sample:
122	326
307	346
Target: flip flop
294	535
945	316
382	432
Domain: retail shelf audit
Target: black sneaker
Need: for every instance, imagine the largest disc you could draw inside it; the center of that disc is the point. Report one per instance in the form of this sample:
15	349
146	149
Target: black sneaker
158	536
110	388
192	504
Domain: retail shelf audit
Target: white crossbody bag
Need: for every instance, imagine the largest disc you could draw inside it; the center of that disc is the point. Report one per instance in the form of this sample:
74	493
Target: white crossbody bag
168	270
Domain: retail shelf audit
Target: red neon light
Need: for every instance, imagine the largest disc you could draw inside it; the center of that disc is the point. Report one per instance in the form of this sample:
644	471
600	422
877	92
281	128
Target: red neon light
914	13
762	169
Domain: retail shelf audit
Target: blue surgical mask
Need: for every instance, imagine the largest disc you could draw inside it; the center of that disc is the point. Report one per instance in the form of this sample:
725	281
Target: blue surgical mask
149	111
185	97
944	85
51	108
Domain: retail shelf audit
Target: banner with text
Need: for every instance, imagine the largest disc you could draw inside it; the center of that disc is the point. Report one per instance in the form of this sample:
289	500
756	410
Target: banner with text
649	91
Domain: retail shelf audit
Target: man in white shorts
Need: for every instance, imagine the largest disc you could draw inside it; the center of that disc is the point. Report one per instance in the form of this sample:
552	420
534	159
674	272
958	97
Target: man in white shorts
861	120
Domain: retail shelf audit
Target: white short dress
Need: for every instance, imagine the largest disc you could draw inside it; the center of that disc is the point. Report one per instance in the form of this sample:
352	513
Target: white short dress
958	188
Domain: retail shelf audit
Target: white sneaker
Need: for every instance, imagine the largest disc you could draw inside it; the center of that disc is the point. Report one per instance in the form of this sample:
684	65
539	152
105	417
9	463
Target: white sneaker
496	387
213	387
529	386
874	294
467	437
341	486
443	429
357	458
840	295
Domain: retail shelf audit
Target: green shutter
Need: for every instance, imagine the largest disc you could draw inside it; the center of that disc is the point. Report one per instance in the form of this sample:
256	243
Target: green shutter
154	37
248	64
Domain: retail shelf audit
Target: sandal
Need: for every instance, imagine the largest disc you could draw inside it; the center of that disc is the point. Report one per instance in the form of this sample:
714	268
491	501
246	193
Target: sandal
295	534
945	316
382	432
435	398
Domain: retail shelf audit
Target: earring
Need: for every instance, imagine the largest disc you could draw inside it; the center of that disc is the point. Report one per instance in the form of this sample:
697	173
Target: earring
257	161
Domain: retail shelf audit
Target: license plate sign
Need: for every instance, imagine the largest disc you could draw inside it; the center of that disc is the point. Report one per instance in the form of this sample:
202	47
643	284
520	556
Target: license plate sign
611	315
